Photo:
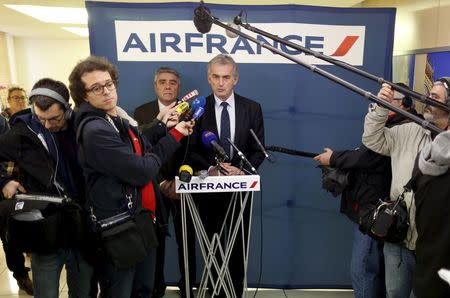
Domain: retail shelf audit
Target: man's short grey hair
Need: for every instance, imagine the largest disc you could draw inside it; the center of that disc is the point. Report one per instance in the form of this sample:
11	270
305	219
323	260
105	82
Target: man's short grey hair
224	59
165	69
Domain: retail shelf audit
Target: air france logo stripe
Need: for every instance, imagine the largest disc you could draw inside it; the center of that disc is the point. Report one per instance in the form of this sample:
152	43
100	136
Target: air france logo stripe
345	46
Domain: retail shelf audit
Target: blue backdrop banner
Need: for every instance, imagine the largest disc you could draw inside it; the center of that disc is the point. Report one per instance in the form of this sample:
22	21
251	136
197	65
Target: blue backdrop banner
299	239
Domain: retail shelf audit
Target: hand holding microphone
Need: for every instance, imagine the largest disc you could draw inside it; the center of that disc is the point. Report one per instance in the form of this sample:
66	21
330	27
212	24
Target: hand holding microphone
185	127
168	115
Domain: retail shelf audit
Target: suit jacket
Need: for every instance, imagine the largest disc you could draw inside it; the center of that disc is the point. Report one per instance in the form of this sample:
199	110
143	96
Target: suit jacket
145	113
248	115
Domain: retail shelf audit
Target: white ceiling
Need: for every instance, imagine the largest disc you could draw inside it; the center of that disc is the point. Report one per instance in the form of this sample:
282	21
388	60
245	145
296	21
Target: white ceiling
18	24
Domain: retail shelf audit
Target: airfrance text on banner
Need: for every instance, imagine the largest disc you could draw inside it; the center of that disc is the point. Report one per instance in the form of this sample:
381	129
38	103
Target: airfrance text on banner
179	41
219	184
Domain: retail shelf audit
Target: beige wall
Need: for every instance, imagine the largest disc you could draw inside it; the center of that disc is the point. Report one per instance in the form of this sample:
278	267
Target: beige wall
420	24
417	27
38	58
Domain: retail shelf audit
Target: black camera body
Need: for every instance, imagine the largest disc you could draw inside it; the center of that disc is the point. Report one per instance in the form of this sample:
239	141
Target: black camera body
382	222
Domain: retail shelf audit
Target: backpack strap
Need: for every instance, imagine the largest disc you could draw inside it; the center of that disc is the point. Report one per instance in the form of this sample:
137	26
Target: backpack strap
81	126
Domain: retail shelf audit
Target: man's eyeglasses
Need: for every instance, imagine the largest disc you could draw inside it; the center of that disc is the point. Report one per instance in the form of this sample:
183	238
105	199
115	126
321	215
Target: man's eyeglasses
98	89
18	98
53	120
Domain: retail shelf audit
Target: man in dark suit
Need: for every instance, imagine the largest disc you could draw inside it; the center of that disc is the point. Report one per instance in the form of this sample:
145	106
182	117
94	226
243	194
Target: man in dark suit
167	86
227	114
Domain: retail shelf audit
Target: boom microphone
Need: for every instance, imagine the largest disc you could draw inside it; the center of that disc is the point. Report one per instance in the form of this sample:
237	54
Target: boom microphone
202	18
238	19
291	151
231	34
210	140
266	154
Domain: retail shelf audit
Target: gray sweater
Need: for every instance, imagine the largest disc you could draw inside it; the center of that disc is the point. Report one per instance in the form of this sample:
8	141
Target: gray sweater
402	143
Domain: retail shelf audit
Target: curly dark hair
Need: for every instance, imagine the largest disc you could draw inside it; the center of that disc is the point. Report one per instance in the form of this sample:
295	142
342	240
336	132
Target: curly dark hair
90	64
44	102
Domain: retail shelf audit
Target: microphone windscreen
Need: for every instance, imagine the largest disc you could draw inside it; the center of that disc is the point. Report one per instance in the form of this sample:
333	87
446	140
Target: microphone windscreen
200	101
186	168
198	113
182	107
185	173
208	137
202	19
231	34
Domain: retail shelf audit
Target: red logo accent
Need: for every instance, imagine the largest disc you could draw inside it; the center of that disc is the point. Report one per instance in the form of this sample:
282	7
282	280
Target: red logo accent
253	184
345	46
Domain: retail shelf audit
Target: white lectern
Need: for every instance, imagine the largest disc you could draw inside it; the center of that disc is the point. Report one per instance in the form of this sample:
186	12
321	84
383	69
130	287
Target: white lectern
242	188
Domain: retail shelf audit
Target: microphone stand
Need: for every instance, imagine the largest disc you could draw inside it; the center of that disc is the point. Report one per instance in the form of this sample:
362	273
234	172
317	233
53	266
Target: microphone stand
242	156
425	124
420	97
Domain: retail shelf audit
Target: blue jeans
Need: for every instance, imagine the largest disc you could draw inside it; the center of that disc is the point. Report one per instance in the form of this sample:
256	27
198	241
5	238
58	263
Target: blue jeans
400	264
46	270
136	281
367	266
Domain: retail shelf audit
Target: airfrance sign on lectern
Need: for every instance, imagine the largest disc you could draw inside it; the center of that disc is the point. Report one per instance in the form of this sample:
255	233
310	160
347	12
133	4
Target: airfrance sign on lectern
219	184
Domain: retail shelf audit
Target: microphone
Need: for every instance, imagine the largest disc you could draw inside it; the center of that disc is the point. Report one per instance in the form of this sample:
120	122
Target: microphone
193	106
191	95
182	107
200	101
242	156
198	113
238	19
202	18
210	140
231	34
266	154
185	173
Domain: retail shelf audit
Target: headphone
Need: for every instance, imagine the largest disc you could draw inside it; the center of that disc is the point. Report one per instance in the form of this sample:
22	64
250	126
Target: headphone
53	95
446	83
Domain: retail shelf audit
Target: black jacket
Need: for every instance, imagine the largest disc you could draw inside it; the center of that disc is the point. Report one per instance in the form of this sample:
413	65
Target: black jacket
37	165
111	167
248	115
369	175
369	178
431	194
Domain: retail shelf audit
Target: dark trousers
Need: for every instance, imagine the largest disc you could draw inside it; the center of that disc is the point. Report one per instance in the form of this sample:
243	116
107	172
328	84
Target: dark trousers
213	208
14	258
174	207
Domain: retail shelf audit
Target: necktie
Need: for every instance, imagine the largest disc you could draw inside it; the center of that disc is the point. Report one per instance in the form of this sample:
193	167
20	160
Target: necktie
225	128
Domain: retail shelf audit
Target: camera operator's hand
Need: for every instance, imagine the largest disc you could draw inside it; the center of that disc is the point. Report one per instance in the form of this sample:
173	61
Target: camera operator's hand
386	93
185	127
12	188
324	158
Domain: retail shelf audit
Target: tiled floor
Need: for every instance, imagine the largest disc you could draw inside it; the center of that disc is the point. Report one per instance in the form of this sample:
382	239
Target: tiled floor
9	288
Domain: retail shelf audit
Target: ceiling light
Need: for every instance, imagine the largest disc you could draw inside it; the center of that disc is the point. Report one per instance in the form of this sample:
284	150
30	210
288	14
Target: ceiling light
52	14
81	31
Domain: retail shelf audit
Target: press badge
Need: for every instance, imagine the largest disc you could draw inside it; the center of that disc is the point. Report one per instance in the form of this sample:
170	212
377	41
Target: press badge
19	206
